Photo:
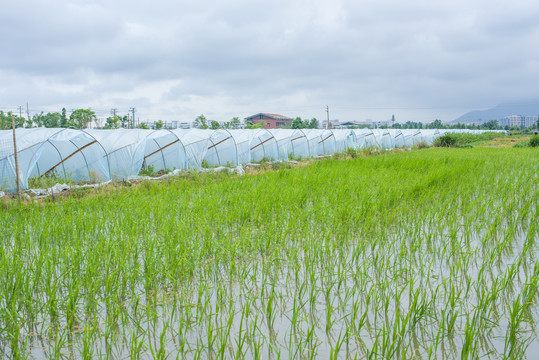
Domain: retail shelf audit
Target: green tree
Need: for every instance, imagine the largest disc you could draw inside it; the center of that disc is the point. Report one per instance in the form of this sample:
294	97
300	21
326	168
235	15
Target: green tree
113	122
52	120
201	122
158	124
297	123
313	124
80	118
214	125
256	125
38	119
64	121
143	126
5	120
436	124
125	121
235	122
29	123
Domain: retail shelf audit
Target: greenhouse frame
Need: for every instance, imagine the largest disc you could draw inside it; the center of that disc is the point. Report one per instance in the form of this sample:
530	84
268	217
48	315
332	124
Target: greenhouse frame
102	155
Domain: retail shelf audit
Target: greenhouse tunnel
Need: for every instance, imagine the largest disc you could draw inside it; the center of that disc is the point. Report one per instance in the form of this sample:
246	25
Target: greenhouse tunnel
101	155
164	151
195	143
369	140
125	150
412	137
428	135
221	150
360	138
263	145
29	147
383	138
291	143
313	137
345	139
327	144
397	138
71	154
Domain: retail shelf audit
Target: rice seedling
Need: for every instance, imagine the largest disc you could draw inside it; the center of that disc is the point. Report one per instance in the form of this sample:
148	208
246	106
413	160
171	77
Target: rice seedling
417	254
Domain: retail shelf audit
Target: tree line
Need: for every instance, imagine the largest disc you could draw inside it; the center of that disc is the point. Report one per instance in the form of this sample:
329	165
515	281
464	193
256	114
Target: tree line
81	118
78	119
437	124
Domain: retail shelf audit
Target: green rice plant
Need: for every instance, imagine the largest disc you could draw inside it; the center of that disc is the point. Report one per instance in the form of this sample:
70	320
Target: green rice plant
48	181
409	254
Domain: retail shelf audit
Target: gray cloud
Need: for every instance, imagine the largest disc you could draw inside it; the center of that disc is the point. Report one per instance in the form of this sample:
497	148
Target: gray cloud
176	59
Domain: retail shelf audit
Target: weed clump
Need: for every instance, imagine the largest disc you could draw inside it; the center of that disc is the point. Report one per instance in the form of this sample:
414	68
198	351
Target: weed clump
464	140
445	141
420	145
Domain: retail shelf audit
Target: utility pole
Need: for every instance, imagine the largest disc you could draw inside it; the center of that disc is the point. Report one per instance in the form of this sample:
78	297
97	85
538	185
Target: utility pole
20	111
113	112
133	118
27	112
328	126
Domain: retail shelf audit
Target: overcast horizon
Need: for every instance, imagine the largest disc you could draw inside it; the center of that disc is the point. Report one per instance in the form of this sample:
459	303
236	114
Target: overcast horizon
174	60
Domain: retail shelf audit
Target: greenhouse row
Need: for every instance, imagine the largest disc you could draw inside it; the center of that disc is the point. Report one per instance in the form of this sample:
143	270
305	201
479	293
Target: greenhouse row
102	155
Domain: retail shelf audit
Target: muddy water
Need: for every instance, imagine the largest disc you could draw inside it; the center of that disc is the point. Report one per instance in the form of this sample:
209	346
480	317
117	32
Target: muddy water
393	298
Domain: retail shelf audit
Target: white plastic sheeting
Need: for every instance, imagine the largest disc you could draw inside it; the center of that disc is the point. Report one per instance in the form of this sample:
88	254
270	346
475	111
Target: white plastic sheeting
255	145
222	149
326	141
291	143
383	138
64	153
124	149
195	143
103	155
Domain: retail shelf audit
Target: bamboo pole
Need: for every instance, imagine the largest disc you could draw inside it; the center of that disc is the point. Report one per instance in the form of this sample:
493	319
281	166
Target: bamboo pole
161	149
65	159
16	157
265	141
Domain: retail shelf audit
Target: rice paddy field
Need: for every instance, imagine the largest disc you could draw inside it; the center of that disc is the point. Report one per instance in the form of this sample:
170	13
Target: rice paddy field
427	254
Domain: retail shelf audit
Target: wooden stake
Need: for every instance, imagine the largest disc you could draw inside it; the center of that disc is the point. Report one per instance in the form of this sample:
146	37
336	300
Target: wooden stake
16	157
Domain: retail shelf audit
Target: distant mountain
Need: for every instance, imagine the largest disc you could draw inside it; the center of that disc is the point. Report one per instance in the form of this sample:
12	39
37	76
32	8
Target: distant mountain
526	108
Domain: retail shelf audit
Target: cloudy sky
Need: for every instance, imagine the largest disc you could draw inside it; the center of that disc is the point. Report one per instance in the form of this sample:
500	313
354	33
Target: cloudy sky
176	59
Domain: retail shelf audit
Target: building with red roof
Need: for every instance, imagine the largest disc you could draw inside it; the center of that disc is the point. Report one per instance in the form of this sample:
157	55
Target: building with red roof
272	121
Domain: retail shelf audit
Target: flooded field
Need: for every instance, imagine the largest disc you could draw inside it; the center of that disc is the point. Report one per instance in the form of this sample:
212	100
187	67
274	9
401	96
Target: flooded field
421	254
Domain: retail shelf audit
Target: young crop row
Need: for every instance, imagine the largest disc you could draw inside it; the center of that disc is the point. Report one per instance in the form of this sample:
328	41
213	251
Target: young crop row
429	254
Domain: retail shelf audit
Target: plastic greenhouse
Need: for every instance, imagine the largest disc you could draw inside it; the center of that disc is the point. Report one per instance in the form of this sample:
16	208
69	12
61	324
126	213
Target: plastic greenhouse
345	139
253	146
383	138
101	155
65	153
412	137
397	138
221	149
291	143
323	140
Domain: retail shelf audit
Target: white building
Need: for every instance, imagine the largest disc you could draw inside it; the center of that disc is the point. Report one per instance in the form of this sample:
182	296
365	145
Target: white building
519	121
514	120
530	121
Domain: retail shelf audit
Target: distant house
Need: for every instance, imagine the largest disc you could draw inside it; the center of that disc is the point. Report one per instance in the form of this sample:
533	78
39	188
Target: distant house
272	121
